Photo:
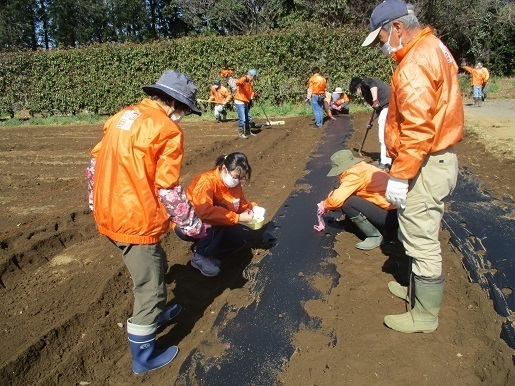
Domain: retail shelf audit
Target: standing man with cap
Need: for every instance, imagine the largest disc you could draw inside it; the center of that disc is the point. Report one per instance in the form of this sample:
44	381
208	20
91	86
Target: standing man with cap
377	95
220	96
361	197
242	98
425	121
136	169
316	94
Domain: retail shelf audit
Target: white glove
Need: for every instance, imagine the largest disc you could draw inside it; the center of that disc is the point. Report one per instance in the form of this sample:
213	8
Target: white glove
259	212
396	192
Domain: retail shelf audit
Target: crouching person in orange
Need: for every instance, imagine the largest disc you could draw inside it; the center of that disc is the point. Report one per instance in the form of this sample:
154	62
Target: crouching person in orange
218	199
134	170
361	197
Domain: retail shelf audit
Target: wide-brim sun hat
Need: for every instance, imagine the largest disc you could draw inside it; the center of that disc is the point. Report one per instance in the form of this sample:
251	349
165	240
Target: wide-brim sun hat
338	90
177	85
384	13
341	161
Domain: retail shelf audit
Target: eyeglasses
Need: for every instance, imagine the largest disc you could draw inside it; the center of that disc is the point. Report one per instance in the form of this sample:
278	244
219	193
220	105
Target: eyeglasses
238	177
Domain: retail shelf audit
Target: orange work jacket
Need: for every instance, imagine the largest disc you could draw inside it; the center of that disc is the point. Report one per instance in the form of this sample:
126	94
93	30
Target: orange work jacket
425	112
215	203
140	153
220	95
316	85
243	90
363	180
477	75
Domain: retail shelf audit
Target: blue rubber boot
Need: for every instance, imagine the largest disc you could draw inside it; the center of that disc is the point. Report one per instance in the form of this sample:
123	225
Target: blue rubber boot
145	357
168	314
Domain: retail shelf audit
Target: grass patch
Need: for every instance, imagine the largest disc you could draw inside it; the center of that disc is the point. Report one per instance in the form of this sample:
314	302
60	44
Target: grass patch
79	119
257	111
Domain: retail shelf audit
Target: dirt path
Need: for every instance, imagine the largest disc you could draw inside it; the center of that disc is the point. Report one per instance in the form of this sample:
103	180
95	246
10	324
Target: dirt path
65	293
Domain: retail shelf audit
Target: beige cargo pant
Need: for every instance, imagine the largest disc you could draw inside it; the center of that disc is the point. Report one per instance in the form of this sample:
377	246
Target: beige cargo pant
420	221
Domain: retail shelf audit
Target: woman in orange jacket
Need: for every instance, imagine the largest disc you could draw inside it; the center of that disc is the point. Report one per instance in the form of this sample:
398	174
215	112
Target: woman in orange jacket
218	199
134	193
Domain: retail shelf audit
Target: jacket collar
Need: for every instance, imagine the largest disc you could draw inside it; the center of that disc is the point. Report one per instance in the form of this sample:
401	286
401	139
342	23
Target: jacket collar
399	55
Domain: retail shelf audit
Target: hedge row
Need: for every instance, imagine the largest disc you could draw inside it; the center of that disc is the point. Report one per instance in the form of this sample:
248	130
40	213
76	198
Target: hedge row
104	78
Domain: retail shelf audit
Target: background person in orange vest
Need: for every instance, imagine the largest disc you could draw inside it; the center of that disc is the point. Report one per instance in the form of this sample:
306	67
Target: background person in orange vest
476	82
340	101
230	79
242	98
135	170
220	96
316	94
486	78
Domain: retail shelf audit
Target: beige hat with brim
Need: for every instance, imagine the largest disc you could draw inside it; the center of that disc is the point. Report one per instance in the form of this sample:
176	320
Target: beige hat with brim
372	37
341	161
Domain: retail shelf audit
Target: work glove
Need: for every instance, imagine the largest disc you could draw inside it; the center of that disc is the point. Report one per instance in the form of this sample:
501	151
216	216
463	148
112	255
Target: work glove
396	192
369	125
321	209
376	106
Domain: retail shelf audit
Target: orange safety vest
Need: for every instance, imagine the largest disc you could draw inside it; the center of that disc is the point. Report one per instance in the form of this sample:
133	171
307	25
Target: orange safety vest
220	95
477	75
243	90
317	84
363	180
140	153
425	112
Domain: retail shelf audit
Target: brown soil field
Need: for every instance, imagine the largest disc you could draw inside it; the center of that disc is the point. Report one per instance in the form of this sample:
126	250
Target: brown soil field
65	294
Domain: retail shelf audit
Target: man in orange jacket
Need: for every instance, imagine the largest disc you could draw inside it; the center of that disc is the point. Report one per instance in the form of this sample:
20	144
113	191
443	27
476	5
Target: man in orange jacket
424	122
316	94
476	82
136	168
220	96
242	97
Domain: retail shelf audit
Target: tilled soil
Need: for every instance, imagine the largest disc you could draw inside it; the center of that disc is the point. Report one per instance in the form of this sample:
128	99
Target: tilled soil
65	293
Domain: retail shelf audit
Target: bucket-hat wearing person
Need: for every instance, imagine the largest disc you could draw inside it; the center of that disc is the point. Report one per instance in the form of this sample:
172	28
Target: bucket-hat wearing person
361	197
178	86
135	196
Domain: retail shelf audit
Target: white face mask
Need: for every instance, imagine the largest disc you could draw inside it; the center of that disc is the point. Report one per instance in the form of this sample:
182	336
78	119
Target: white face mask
387	49
229	180
176	117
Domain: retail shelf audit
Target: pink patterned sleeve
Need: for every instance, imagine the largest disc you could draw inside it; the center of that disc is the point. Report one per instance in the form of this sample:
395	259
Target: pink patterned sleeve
90	173
181	212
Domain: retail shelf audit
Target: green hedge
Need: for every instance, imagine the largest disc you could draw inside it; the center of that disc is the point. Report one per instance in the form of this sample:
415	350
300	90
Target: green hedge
103	78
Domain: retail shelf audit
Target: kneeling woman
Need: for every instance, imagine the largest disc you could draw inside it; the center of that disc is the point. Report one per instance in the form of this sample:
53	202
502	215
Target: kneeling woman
361	197
218	199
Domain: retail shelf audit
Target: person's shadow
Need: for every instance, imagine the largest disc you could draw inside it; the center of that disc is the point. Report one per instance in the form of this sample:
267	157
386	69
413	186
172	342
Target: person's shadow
396	263
195	292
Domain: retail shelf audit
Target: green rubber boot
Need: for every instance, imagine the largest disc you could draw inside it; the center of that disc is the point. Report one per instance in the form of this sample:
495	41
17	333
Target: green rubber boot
398	290
374	237
424	315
